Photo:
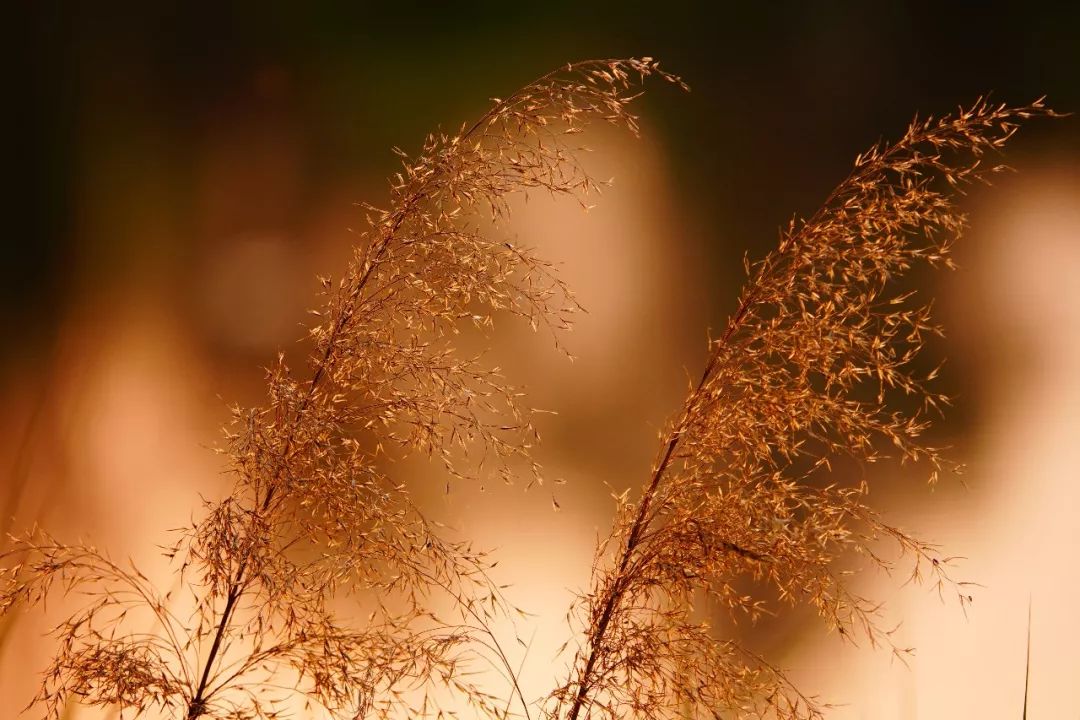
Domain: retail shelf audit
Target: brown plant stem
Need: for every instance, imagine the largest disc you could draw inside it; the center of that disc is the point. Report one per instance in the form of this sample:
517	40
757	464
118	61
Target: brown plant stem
641	521
197	705
236	587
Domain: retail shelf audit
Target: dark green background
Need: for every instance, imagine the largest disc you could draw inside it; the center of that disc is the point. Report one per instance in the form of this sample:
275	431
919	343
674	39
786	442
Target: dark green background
783	97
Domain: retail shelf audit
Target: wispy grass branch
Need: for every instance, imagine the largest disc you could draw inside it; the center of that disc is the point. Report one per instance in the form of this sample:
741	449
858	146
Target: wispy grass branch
315	511
816	363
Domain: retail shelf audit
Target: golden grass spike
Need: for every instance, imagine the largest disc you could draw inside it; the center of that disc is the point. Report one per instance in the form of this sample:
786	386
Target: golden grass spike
816	363
312	514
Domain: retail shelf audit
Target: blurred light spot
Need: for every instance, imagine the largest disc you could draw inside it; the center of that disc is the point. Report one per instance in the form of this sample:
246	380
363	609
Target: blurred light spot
250	292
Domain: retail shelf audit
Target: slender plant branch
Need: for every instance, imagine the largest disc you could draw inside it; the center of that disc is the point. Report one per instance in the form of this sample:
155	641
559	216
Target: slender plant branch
237	586
641	521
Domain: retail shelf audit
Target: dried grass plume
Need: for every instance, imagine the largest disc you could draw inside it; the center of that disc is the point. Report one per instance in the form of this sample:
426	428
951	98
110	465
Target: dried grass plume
816	364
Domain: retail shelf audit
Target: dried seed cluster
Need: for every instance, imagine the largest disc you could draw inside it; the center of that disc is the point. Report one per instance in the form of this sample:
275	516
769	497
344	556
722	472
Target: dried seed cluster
808	370
816	364
316	511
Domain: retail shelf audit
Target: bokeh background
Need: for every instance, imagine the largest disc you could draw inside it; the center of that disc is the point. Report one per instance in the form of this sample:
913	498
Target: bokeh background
185	170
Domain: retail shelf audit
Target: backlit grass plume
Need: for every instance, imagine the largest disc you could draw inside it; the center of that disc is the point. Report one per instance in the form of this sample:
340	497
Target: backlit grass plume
313	512
816	364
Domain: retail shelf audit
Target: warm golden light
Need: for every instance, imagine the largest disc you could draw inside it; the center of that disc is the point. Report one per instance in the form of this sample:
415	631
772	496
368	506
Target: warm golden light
514	442
1016	315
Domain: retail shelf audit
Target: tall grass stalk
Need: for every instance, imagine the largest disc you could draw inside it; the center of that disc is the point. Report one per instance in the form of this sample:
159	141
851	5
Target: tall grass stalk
814	365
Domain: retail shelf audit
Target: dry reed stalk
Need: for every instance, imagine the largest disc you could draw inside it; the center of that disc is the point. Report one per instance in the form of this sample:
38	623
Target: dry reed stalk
314	513
816	364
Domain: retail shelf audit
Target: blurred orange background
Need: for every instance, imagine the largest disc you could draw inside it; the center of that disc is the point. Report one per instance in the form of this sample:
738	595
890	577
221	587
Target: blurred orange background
190	171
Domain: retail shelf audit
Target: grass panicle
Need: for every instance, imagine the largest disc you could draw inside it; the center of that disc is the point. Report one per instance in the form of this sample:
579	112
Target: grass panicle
315	511
818	364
